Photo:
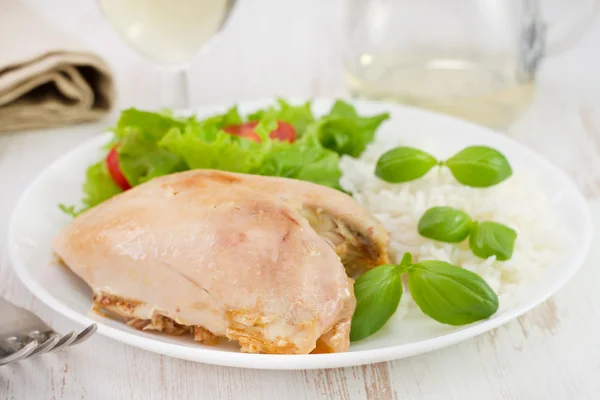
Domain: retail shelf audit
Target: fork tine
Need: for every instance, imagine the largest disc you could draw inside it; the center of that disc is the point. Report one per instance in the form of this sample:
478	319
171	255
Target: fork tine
44	347
64	341
55	342
85	334
19	355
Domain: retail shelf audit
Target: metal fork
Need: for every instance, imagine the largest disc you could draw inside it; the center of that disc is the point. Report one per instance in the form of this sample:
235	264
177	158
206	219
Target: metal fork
23	335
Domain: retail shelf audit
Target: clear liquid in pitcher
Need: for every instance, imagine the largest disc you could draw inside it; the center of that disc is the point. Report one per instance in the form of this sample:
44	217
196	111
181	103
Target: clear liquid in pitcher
483	90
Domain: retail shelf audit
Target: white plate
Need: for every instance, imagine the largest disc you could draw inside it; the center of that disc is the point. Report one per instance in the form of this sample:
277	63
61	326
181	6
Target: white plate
37	219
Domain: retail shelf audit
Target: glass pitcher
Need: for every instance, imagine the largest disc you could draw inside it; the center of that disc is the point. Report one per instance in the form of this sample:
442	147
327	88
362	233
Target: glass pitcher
475	59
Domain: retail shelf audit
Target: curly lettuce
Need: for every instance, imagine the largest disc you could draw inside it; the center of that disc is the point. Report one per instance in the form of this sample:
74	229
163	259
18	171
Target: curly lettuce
151	144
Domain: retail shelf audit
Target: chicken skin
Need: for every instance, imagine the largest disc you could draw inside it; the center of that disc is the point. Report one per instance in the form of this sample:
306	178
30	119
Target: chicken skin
228	255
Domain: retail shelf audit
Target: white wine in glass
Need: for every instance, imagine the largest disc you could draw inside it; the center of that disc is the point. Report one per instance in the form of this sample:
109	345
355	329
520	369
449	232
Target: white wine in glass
474	87
170	33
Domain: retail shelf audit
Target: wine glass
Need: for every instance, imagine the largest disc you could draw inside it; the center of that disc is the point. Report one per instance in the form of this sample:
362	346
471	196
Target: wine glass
170	33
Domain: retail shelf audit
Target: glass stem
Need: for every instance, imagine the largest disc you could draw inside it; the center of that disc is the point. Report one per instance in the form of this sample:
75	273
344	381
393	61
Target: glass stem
174	93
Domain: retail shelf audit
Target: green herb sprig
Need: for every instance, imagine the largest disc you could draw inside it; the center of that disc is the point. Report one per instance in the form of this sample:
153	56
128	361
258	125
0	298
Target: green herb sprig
475	166
450	225
447	293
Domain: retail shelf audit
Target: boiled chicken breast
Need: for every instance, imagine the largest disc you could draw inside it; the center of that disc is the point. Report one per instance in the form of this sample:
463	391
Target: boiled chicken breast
358	237
228	255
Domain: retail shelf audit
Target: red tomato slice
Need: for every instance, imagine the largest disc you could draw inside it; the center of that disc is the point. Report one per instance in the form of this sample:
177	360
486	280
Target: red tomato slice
244	130
284	131
112	164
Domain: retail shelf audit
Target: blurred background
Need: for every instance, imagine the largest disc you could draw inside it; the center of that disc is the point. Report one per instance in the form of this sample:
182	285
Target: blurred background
268	47
296	48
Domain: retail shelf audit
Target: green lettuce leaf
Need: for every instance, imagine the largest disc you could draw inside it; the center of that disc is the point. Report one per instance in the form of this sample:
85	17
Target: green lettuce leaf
305	159
300	117
98	185
206	145
153	125
141	159
222	151
71	210
152	144
97	188
346	132
203	147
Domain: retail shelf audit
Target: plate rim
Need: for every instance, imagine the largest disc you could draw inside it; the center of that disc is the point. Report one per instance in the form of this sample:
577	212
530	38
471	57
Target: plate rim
311	361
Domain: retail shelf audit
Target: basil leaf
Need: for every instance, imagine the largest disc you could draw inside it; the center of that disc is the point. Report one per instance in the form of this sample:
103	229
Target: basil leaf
479	166
406	260
405	263
403	164
450	294
378	293
492	239
445	224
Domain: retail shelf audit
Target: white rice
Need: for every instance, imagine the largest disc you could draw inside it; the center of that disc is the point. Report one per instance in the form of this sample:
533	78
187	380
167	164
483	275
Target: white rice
518	202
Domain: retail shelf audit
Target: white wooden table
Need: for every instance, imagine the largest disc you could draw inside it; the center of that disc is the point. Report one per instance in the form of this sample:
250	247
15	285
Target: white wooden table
292	48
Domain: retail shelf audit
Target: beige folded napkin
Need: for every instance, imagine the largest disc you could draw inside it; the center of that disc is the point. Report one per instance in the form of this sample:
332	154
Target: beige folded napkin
46	78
